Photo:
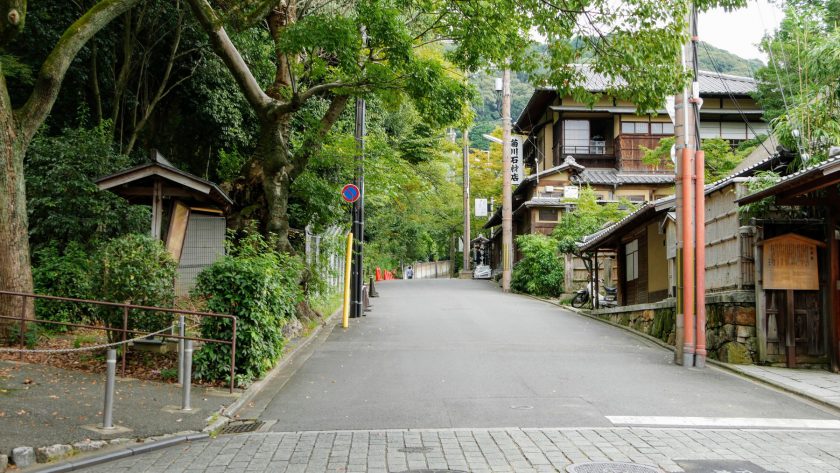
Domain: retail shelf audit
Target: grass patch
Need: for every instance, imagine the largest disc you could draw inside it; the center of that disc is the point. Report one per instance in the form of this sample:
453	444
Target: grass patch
326	305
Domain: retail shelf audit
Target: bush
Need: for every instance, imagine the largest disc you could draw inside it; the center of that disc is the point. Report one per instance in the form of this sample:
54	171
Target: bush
261	288
63	202
540	271
137	269
64	275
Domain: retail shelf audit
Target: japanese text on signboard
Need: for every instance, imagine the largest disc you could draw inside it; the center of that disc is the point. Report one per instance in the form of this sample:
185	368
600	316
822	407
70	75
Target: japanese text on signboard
517	170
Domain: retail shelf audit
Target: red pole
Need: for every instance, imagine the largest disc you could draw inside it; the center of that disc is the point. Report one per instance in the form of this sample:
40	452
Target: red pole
700	263
687	257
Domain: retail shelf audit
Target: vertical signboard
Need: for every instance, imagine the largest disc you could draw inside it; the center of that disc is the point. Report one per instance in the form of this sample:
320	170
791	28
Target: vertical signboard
480	207
517	170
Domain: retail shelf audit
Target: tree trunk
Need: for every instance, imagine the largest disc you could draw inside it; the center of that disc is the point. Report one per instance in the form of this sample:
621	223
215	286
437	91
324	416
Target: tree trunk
273	151
15	272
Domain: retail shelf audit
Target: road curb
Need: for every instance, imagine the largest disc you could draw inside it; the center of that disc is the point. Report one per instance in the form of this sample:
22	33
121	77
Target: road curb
715	363
730	369
73	465
608	322
256	387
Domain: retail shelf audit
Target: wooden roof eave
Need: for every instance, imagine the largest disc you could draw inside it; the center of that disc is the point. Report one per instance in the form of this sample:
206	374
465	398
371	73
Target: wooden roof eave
121	183
816	179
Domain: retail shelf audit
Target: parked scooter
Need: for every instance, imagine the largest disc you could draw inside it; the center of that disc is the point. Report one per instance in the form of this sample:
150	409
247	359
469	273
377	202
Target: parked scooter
608	299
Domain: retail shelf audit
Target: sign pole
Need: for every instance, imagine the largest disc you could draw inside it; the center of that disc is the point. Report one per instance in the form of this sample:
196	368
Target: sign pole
465	268
358	213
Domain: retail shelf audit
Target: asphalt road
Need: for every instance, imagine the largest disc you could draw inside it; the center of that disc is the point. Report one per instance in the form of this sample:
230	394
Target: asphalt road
461	354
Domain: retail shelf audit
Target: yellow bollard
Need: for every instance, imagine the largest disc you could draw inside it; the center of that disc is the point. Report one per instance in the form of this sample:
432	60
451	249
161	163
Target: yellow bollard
348	261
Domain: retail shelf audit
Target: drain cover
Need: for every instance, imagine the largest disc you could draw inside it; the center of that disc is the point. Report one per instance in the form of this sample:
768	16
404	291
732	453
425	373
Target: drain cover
415	449
611	467
241	427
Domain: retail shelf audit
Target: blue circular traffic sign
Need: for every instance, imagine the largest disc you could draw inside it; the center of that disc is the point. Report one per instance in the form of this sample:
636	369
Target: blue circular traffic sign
350	193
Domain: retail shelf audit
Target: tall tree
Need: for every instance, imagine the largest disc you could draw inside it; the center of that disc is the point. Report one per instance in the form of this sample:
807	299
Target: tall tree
799	89
320	54
18	127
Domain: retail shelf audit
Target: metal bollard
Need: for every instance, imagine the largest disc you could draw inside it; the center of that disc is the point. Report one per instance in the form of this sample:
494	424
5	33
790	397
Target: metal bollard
181	332
108	413
188	351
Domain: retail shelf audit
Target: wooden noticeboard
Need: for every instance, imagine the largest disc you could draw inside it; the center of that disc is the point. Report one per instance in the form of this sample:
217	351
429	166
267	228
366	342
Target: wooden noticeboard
790	262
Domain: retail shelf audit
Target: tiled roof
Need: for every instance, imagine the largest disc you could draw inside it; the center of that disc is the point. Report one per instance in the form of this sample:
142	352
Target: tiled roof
546	202
669	201
609	176
657	205
710	82
816	169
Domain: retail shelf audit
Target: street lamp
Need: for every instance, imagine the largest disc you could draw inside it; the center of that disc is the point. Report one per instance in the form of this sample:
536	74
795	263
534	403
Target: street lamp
491	138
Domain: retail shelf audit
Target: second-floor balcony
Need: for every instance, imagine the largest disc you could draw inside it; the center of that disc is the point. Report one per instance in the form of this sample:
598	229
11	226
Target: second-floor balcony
595	148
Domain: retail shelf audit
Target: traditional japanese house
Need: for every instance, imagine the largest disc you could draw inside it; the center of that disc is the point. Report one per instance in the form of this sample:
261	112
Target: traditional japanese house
645	248
798	267
570	144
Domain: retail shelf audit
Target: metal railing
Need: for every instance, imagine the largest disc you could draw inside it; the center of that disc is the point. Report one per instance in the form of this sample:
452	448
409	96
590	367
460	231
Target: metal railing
594	149
125	331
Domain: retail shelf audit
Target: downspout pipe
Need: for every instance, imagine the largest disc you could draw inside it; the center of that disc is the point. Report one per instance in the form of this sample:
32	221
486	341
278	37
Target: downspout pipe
687	257
700	260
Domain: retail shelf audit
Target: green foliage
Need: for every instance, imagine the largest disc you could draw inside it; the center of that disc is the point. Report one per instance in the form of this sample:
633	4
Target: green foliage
64	274
725	62
540	271
721	158
764	207
168	374
588	217
64	203
260	287
659	155
136	269
30	337
800	88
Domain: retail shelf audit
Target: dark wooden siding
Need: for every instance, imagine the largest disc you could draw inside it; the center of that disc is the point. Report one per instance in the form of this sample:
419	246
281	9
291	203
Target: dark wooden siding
635	291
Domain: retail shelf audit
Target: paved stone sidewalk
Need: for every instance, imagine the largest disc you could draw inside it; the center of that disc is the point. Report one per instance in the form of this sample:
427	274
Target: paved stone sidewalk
502	450
816	384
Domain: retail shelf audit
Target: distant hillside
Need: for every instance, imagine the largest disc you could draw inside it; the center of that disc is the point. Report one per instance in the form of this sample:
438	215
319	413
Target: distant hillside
487	112
726	62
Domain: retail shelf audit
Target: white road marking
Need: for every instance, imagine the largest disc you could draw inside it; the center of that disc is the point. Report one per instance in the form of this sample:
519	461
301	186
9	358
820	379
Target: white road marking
725	422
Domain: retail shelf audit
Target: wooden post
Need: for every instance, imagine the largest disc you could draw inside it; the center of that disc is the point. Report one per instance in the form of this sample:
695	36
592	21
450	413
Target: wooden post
760	310
157	209
833	281
595	297
790	330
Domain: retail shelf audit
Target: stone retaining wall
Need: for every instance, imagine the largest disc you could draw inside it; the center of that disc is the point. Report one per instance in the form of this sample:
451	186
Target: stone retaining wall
730	324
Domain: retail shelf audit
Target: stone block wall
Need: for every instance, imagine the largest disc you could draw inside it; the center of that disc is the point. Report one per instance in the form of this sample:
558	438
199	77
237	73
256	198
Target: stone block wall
730	324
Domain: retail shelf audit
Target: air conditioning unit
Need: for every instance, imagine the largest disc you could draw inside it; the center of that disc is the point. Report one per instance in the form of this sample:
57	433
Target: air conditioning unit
549	189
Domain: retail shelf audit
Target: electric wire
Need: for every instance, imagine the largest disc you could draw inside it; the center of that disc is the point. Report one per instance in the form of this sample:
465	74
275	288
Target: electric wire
774	62
732	97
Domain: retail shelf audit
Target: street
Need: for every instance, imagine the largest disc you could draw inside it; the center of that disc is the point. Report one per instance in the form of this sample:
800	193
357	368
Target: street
525	384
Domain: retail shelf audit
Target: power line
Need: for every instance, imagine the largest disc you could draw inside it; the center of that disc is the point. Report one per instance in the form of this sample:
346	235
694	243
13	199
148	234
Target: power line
732	97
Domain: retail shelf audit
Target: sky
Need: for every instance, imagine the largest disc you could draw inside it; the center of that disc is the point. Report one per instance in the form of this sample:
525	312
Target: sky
740	31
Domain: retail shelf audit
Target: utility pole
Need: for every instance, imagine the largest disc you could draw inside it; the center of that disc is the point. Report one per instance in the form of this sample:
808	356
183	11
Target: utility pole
357	279
699	207
507	198
465	269
686	145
